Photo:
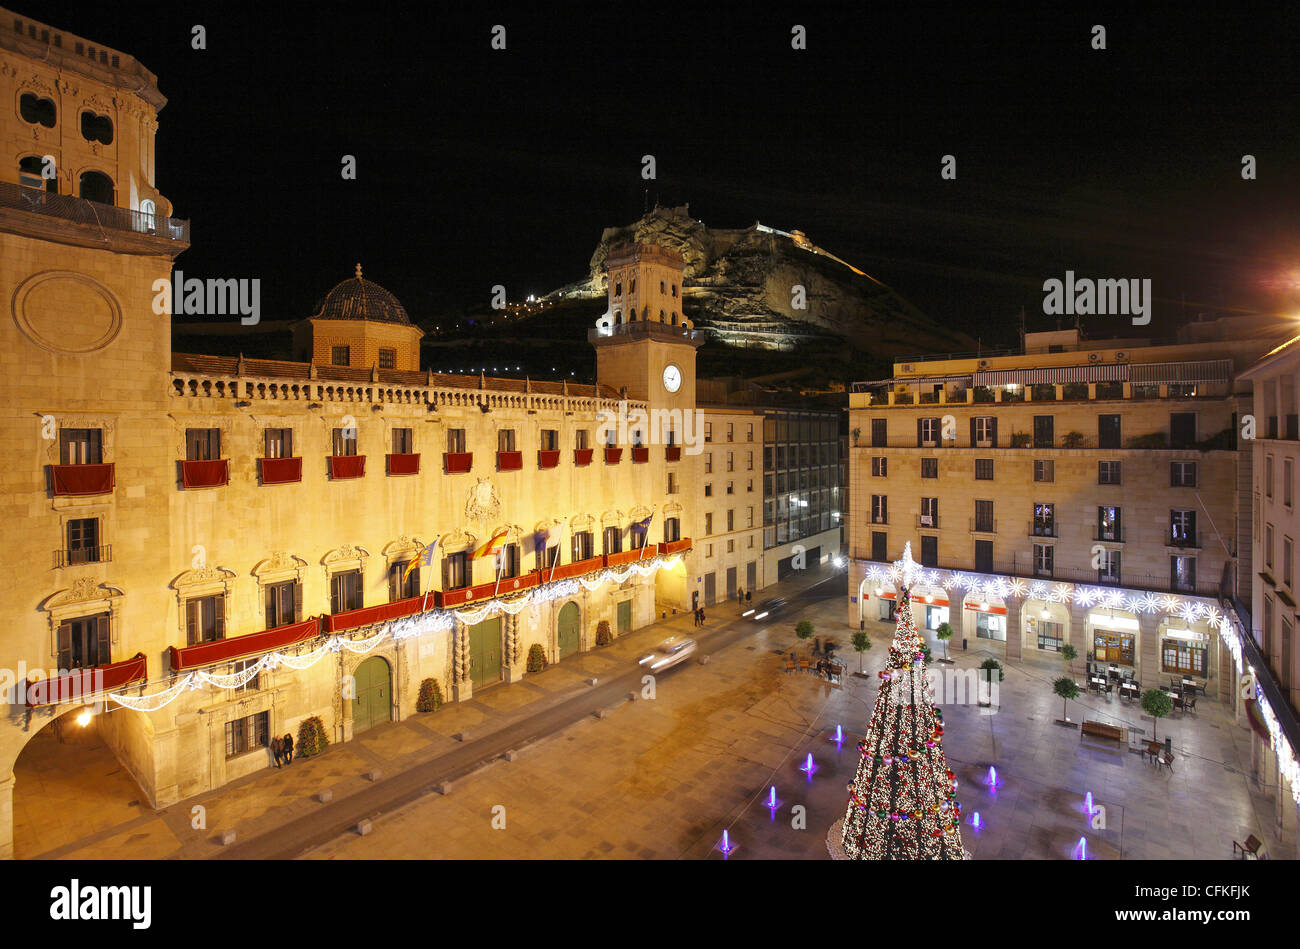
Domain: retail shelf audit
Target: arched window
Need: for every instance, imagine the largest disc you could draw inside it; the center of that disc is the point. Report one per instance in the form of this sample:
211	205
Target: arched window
674	290
663	317
631	315
645	312
674	317
96	186
632	289
37	110
618	289
618	317
145	219
662	288
31	174
96	128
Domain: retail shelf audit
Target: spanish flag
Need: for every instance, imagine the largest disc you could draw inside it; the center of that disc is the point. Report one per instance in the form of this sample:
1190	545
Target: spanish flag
424	558
492	547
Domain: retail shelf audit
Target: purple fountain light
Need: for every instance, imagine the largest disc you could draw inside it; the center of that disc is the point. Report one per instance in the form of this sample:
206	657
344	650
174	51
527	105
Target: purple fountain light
808	765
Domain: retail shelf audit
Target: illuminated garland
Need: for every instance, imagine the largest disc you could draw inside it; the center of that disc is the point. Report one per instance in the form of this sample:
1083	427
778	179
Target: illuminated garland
398	629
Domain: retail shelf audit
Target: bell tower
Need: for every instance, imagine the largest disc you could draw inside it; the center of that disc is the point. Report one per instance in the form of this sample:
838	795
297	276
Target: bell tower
644	342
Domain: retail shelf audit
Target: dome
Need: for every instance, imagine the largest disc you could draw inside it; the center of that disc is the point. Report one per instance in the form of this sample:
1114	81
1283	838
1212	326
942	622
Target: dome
359	299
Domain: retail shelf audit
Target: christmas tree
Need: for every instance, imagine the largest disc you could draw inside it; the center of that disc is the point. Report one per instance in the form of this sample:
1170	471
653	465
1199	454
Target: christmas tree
901	804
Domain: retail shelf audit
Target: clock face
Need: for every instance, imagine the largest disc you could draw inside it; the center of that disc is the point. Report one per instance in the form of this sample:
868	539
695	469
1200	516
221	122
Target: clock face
672	378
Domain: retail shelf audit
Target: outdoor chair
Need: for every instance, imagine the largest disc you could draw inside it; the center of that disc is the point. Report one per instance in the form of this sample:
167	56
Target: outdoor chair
789	666
1251	846
1166	759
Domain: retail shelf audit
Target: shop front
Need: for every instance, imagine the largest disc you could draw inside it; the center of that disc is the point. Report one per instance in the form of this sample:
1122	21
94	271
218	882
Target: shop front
986	617
1114	638
1047	625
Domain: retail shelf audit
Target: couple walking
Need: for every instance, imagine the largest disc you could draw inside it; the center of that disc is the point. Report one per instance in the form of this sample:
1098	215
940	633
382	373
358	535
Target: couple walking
699	616
282	749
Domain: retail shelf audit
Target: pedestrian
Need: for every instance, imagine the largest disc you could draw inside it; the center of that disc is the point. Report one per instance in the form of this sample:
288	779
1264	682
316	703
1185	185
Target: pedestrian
277	749
701	616
749	595
695	616
740	596
288	749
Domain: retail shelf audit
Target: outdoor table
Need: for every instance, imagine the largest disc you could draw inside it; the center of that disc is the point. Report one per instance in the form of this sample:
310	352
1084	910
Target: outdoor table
1154	748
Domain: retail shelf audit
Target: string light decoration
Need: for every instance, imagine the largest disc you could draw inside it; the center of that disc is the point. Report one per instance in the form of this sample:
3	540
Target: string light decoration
902	802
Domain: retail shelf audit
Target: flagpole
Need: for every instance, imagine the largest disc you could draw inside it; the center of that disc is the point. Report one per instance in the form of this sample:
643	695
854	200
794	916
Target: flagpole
645	543
500	564
554	562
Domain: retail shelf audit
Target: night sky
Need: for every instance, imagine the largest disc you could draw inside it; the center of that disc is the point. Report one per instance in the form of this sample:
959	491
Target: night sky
479	167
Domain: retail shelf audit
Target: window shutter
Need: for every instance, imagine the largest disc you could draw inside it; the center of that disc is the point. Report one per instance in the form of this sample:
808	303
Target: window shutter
191	622
918	432
219	609
993	431
270	607
266	443
972	431
65	645
393	573
101	656
96	446
297	601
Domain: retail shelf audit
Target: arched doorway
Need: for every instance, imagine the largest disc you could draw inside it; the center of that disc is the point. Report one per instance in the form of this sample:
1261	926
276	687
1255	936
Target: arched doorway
567	627
70	784
373	703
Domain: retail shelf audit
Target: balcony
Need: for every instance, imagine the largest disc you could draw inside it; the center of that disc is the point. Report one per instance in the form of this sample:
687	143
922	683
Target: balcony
548	458
79	481
457	462
1108	535
568	571
205	474
980	525
1043	529
623	557
640	455
82	555
613	455
280	470
510	461
405	464
927	521
346	467
648	329
675	546
236	647
673	453
92	214
1183	539
80	684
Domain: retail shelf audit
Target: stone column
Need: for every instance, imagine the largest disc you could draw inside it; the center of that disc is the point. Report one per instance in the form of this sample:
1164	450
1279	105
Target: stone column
1015	632
512	650
462	687
1148	649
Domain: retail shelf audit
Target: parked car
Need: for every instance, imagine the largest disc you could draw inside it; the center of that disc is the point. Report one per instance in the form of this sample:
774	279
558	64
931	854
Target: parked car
670	652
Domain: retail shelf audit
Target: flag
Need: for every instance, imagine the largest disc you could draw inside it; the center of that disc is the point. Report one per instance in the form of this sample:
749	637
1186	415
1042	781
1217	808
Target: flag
643	525
423	559
492	547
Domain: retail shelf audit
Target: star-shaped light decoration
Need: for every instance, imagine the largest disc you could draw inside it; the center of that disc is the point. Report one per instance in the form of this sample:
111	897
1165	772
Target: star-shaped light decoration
909	569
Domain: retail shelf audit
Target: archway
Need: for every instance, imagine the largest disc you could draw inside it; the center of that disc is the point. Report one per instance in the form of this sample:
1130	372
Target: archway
567	627
69	783
373	702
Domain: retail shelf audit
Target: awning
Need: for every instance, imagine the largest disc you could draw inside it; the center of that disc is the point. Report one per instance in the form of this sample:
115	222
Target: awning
81	684
1256	719
1206	370
225	650
1056	375
75	481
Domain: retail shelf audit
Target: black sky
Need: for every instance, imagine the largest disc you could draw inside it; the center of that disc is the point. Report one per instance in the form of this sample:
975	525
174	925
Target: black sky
479	167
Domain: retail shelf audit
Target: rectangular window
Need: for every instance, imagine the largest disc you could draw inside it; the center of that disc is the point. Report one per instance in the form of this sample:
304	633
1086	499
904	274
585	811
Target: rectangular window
1044	431
708	462
672	483
582	439
506	439
749	461
927	431
84	642
1177	655
345	442
247	734
929	550
879	509
1108	571
1268	476
584	545
455	571
345	591
1182	527
731	461
672	529
984	516
83	540
509	560
1268	545
1044	470
387	358
731	520
400	586
403	441
1044	555
708	490
1182	429
202	444
879	433
929	512
1108	431
81	446
340	356
283	603
614	538
731	487
879	466
1044	520
984	431
731	432
1182	474
708	524
1050	635
708	431
549	439
750	518
277	443
984	556
1108	524
878	542
1182	574
456	441
1286	561
1108	472
750	436
983	469
1288	477
205	619
929	467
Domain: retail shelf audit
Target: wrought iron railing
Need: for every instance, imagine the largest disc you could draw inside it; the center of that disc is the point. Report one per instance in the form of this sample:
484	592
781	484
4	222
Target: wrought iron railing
80	211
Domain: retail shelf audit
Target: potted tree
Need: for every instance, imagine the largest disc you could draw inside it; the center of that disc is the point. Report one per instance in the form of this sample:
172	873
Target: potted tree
603	636
803	629
989	665
861	643
1069	654
1156	704
856	433
943	634
536	658
430	698
1067	689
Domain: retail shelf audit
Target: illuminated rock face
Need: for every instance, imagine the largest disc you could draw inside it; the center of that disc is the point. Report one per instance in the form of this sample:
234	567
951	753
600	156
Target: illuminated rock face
742	285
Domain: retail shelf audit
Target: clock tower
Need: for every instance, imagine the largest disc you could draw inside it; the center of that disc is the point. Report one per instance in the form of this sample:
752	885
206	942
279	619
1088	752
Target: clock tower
644	342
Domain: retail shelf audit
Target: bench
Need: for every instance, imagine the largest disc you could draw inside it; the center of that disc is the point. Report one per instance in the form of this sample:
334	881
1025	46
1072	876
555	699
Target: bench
1102	730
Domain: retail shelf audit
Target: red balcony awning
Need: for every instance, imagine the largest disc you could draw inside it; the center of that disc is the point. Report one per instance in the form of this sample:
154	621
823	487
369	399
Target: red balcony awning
403	464
205	474
225	650
675	546
457	462
347	466
612	455
367	615
673	452
640	455
485	591
80	684
624	557
548	459
75	481
582	456
567	571
510	460
280	470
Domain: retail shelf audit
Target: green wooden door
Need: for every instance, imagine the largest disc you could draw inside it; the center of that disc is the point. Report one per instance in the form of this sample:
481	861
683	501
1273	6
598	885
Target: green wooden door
625	617
568	629
485	652
372	703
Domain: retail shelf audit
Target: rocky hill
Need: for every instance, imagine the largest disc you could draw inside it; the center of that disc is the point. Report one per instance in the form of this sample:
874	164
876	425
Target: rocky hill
739	283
